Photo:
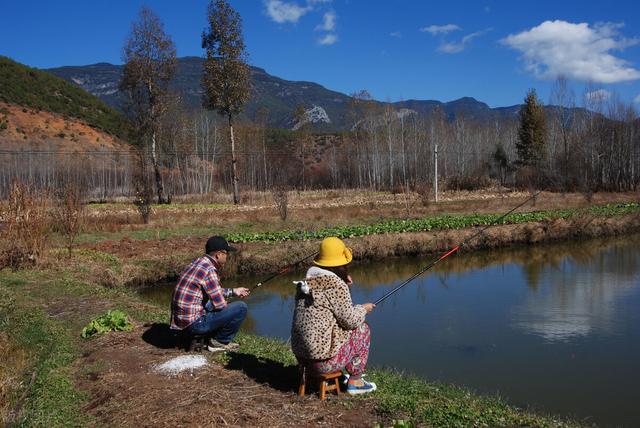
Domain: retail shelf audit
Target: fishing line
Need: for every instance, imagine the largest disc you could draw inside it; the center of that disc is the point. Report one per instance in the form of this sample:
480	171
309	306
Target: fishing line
454	250
282	270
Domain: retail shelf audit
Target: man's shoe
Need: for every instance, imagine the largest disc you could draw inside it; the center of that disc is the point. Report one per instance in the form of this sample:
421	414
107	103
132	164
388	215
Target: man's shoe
362	387
215	346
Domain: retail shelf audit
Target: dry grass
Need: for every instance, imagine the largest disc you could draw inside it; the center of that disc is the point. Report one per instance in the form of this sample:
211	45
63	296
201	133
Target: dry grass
68	213
24	234
248	392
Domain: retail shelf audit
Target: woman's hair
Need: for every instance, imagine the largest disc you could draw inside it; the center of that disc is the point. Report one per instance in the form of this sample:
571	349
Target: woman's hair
341	271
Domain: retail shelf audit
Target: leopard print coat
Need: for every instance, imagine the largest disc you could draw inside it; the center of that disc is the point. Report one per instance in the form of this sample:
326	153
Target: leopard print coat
324	315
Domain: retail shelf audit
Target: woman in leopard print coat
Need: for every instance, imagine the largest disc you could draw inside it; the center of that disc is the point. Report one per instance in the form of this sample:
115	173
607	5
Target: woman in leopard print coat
329	332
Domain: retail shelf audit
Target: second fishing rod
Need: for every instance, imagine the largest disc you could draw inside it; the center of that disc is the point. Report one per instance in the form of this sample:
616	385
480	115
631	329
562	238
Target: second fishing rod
453	250
283	270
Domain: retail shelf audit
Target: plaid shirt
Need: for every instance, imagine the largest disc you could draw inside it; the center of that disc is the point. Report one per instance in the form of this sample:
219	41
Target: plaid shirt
198	280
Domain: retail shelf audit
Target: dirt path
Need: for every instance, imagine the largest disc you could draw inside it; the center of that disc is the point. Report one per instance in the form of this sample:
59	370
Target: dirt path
118	372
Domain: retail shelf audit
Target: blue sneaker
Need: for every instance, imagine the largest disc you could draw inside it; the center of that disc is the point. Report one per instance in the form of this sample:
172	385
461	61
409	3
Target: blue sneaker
363	387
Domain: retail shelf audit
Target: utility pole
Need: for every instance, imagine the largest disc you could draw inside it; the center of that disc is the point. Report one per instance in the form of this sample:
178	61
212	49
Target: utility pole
435	169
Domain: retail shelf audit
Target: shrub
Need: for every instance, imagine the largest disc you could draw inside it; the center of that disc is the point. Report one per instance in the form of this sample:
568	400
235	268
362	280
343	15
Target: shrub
281	200
144	192
24	235
68	214
464	182
424	191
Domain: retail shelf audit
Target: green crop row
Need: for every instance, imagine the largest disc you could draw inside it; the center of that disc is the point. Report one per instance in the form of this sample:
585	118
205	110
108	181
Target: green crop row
432	223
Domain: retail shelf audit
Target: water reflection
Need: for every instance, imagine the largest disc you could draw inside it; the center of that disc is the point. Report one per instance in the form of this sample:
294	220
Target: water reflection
579	294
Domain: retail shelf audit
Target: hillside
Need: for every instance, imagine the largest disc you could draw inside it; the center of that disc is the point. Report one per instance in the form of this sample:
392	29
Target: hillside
38	90
25	129
280	96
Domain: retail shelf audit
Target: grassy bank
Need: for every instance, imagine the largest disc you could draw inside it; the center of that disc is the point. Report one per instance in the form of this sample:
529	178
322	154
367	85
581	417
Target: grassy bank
44	311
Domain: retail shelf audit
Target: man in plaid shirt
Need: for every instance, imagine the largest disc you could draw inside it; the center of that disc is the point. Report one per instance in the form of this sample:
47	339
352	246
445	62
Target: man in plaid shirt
199	303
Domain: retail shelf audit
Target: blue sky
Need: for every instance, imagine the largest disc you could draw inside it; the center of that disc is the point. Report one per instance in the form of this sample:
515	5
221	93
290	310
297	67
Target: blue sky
491	50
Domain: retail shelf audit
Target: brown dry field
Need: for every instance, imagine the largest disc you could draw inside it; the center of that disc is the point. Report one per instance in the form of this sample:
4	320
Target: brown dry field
315	210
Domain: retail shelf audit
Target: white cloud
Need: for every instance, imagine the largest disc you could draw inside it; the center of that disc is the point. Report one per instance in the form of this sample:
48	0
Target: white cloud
282	12
329	39
597	96
328	22
440	29
637	99
396	34
456	47
577	51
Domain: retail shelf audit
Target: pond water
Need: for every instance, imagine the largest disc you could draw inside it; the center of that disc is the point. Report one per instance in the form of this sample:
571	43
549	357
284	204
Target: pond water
553	327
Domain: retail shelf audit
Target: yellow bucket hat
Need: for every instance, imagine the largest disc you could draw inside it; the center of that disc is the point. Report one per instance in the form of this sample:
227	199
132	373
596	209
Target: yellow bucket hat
333	253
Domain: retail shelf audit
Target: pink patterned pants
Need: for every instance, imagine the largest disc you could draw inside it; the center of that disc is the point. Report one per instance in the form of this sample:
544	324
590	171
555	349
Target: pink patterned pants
352	355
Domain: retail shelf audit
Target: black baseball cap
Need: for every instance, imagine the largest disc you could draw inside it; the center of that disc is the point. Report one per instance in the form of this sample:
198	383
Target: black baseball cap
218	243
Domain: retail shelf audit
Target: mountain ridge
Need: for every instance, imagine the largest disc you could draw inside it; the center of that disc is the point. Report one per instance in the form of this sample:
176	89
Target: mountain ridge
279	95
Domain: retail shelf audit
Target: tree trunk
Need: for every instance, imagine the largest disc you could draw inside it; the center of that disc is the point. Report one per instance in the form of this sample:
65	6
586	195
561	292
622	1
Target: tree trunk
234	174
156	170
264	158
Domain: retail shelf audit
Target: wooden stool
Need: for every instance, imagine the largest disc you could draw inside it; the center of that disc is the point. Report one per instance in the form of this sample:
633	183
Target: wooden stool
326	381
197	342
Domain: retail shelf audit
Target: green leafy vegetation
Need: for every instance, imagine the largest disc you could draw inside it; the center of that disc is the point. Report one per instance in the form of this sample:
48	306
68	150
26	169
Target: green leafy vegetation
114	320
30	87
433	223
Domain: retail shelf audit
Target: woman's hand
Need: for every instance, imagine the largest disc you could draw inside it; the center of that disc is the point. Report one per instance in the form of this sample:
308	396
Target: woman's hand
368	307
241	292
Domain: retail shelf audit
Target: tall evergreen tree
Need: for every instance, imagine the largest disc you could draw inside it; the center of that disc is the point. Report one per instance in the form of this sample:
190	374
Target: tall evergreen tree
150	62
226	73
532	134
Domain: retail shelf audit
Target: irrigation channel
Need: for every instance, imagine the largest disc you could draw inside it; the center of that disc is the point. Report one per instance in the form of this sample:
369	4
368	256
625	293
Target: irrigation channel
553	327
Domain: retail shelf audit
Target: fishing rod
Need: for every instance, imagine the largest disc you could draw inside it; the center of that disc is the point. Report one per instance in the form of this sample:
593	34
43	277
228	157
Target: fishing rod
453	250
282	270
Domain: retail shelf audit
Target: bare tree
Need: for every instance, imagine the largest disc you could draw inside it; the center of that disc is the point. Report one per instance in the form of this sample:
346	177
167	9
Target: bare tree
564	100
301	123
262	119
150	62
226	73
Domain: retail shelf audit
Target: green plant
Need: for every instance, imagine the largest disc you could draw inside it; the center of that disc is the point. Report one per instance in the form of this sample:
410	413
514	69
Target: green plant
111	321
442	222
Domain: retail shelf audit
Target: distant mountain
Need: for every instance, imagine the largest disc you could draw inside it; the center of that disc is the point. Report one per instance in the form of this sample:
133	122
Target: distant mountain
280	96
327	108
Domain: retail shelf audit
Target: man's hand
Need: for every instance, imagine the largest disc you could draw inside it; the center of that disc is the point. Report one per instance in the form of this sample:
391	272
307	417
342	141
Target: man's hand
241	292
368	307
